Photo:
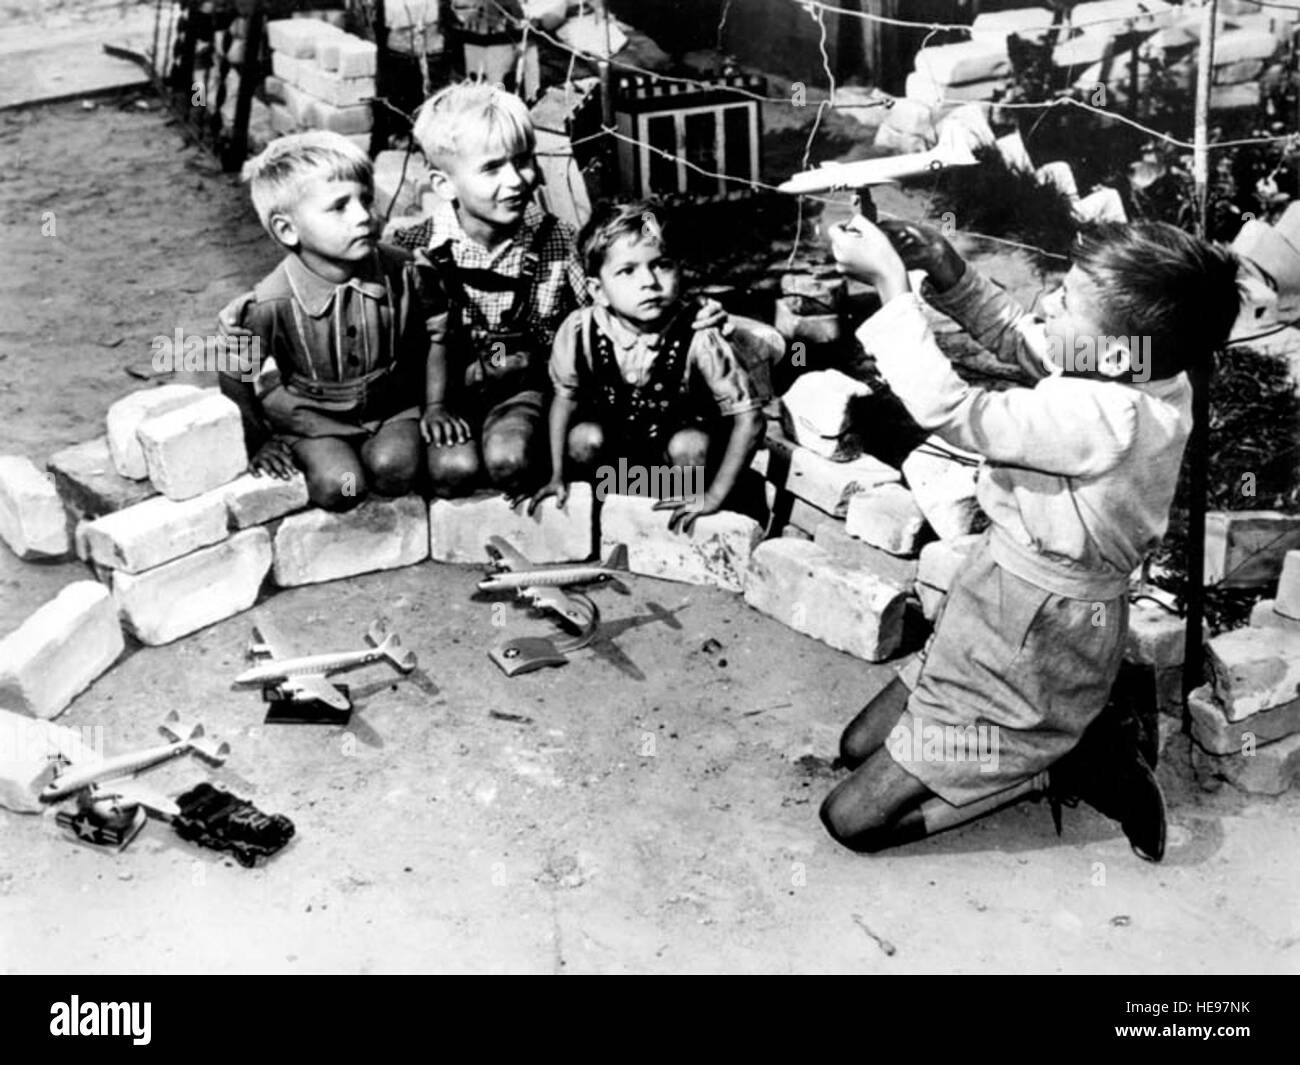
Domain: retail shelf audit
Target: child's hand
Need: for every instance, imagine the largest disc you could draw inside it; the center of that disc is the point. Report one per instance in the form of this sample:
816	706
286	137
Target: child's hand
862	251
712	315
274	457
441	428
925	248
685	511
232	314
553	487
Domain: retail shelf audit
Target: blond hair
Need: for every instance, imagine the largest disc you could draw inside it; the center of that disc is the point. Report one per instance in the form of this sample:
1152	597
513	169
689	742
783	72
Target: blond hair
277	175
472	113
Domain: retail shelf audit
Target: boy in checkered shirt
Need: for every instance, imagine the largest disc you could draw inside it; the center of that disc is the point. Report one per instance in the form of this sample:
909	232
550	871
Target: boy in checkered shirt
512	274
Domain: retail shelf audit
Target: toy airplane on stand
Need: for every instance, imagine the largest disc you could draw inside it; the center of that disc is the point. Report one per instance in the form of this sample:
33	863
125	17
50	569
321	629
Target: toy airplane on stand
298	685
544	587
111	806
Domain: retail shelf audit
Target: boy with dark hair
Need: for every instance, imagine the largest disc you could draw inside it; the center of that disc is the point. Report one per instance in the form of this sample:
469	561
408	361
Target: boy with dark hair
348	329
1080	474
634	379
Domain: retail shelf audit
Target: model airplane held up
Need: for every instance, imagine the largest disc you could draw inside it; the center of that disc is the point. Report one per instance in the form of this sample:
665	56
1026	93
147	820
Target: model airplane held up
952	150
108	787
304	677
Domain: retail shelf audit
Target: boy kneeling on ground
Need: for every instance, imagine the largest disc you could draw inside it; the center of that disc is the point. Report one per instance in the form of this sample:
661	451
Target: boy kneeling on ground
1081	472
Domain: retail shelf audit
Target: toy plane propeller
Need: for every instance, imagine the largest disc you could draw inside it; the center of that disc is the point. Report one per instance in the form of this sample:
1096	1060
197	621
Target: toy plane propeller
109	785
304	677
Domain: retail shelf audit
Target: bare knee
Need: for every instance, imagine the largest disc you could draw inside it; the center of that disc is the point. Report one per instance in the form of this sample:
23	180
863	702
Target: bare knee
688	447
586	442
506	460
453	471
333	488
849	822
392	468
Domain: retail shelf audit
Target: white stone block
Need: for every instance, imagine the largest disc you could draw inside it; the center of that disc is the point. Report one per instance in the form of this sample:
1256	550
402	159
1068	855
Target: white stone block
1245	548
319	545
347	56
286	67
1232	97
957	64
1263	616
887	517
716	552
944	489
1236	46
895	571
1287	602
155	531
1155	636
816	412
32	519
256	498
1213	731
1241	71
939	563
459	528
1029	22
27	747
59	650
825	484
194	449
1271	770
1254	670
328	87
172	600
128	413
925	90
298	37
805	586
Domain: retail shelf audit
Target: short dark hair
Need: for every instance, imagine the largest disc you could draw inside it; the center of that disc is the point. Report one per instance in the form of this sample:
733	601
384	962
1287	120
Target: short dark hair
611	222
1158	281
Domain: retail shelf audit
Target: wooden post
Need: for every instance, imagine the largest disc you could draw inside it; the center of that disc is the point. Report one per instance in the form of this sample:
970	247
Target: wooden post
1198	445
236	148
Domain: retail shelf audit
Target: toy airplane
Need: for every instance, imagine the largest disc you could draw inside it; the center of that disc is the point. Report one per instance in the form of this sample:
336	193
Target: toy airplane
543	585
302	678
950	151
111	807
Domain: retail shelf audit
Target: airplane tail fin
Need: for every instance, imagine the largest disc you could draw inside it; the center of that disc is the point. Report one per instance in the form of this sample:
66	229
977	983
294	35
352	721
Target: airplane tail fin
390	646
617	558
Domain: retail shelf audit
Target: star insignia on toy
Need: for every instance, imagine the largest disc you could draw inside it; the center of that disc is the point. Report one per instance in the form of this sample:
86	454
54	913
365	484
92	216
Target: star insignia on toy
85	829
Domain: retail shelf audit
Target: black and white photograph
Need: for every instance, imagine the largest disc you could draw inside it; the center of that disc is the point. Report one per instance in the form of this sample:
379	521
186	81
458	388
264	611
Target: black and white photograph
650	487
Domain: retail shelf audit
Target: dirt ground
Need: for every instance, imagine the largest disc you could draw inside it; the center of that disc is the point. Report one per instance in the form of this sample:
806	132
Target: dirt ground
667	825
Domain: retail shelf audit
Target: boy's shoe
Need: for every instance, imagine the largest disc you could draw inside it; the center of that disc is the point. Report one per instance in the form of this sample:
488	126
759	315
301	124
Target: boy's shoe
1107	771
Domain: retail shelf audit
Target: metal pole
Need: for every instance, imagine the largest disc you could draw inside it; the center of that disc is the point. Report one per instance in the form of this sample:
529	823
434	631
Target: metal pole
1199	443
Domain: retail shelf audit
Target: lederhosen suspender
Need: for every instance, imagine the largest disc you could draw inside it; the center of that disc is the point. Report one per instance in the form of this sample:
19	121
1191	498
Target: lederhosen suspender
647	415
507	357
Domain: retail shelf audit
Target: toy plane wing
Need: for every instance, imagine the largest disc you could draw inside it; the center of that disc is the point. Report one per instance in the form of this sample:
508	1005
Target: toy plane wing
126	792
505	556
548	597
269	641
314	686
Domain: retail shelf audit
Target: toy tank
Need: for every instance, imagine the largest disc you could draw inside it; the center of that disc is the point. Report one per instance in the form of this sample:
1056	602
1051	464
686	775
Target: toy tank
213	817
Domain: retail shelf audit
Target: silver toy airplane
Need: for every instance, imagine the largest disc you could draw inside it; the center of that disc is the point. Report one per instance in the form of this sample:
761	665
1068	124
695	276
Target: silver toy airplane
543	585
108	786
303	677
950	151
